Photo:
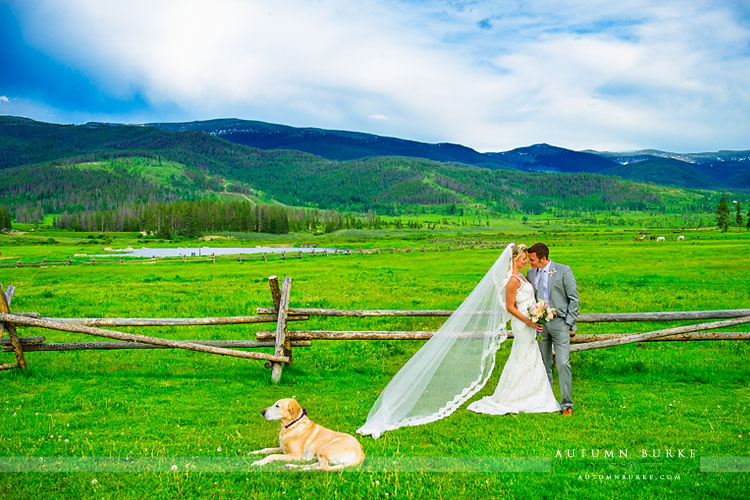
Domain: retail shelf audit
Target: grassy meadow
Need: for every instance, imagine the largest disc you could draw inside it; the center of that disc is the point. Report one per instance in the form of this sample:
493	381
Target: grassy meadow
176	408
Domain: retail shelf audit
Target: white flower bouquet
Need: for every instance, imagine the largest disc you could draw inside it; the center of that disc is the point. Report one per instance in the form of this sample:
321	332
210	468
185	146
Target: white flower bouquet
541	312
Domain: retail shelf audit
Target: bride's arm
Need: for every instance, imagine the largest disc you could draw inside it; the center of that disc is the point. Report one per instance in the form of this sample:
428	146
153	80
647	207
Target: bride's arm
510	301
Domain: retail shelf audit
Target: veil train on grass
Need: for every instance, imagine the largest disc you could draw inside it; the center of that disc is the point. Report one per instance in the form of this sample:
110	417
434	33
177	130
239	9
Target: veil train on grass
454	364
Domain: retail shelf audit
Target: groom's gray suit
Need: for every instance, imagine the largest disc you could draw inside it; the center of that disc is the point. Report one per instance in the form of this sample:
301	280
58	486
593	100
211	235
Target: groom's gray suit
563	297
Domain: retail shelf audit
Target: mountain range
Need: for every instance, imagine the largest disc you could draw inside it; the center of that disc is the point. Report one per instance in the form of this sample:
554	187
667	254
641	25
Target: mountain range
717	170
52	168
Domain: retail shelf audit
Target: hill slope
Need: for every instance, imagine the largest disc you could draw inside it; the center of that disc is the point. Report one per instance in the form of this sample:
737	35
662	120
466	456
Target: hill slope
723	169
150	164
546	158
719	170
330	144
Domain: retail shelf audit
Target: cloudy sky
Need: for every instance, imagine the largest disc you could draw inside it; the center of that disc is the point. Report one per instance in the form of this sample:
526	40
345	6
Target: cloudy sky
493	75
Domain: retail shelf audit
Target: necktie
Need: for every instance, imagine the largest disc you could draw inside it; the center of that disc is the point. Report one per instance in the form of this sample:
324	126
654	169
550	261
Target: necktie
542	287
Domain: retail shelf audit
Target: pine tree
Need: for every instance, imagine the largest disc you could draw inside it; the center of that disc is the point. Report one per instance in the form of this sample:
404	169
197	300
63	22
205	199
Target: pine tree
738	218
5	224
722	215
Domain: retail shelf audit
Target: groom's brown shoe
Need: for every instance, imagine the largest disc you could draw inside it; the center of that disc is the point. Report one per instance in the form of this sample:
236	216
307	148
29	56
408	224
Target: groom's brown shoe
568	412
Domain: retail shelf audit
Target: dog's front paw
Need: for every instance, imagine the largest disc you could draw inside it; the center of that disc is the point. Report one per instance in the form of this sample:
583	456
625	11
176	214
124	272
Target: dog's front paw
256	452
291	466
258	463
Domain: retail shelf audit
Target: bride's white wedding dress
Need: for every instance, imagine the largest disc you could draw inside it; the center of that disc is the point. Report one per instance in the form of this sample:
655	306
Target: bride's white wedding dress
523	386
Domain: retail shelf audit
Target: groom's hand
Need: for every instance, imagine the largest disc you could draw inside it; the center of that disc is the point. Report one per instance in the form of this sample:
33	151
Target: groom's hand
539	328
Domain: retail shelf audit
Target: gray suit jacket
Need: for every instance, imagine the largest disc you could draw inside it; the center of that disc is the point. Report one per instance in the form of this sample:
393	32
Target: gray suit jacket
563	291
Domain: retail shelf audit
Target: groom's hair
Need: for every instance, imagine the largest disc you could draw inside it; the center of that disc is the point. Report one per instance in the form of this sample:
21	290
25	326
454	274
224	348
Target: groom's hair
540	249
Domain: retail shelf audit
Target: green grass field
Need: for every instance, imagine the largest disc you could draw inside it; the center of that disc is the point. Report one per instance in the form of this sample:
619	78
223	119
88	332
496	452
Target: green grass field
165	408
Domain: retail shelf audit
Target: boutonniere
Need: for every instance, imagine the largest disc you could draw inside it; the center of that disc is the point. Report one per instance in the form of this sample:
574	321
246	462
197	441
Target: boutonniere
552	271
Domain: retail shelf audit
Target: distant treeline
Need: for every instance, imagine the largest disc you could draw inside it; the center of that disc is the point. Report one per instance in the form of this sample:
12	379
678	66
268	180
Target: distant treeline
192	218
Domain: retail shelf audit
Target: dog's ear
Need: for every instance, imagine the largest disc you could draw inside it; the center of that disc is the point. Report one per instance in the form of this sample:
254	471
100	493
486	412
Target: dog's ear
295	410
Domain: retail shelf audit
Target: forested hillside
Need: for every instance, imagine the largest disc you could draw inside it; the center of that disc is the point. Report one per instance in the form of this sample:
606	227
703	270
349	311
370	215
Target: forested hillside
48	168
719	170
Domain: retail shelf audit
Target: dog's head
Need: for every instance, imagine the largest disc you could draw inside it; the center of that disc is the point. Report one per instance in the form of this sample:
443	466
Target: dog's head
285	410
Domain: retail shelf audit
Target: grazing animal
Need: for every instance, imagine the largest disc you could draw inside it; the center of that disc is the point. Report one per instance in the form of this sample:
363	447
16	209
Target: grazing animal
302	439
680	238
660	238
639	238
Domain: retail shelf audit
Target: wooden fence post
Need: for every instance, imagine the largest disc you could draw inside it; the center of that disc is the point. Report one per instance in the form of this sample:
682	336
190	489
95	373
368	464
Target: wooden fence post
273	282
282	343
5	301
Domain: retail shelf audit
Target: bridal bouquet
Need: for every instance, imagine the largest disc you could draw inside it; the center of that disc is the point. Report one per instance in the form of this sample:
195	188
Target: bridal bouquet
541	312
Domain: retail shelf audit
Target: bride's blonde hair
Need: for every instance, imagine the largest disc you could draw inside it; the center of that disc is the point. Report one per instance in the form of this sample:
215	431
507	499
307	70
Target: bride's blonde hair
518	250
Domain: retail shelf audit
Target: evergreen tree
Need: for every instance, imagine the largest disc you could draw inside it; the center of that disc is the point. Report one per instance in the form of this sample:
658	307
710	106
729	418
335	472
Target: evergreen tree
738	218
722	215
5	225
163	233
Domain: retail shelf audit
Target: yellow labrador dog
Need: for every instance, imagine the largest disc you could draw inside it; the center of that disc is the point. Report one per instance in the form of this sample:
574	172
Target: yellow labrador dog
302	439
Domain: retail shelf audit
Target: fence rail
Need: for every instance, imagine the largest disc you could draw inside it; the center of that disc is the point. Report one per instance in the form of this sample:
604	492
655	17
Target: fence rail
302	335
582	318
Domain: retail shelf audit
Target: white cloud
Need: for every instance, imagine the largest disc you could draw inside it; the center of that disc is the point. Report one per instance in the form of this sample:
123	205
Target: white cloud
4	98
587	74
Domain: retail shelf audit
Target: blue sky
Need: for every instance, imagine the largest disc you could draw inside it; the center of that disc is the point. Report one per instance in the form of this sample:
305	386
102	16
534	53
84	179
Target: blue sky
492	75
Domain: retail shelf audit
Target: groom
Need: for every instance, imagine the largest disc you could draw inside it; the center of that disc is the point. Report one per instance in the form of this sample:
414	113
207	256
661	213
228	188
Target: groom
555	284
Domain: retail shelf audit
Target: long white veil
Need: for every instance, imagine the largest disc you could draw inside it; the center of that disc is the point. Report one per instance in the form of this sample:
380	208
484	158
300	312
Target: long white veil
454	364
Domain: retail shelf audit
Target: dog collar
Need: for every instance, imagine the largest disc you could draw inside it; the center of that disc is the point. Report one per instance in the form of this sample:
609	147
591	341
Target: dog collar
304	412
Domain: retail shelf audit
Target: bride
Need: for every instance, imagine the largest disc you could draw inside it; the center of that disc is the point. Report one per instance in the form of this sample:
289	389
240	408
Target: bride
458	360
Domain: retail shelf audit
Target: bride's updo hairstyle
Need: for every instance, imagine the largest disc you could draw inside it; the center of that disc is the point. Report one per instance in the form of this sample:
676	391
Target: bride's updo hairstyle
518	250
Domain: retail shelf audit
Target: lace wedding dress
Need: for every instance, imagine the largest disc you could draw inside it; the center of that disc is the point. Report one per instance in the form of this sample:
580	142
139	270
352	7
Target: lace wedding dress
523	386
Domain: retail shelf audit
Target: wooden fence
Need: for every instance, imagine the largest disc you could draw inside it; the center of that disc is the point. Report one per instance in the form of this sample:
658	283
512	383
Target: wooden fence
90	326
433	245
283	340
